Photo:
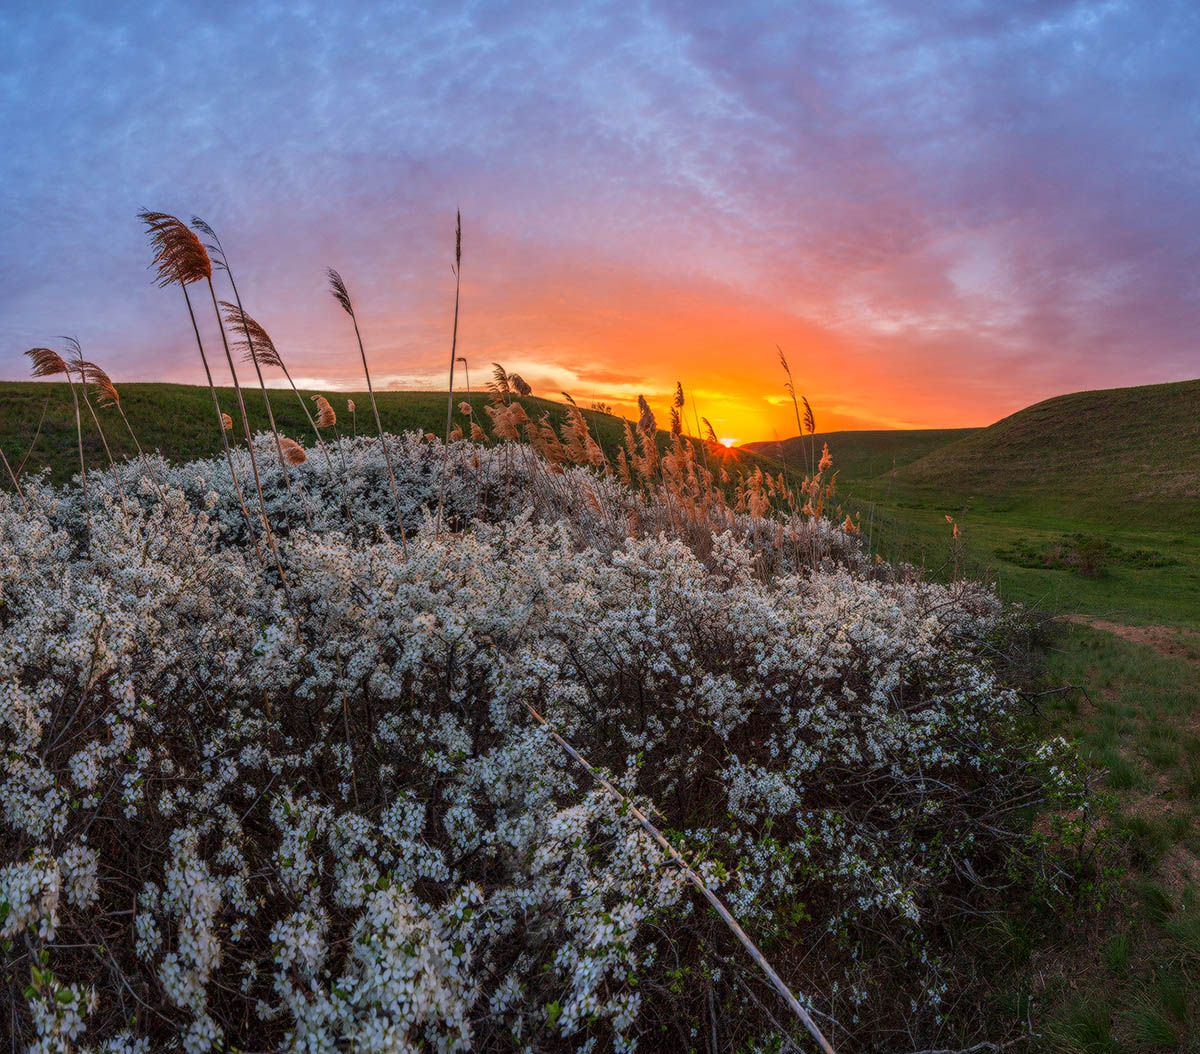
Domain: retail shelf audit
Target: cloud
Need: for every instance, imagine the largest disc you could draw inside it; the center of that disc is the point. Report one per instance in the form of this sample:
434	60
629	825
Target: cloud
944	211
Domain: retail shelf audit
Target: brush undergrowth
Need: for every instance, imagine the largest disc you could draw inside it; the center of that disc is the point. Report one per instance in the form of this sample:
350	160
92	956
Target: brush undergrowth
324	819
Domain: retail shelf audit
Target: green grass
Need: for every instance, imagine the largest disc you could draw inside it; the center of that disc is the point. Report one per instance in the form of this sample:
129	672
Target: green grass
178	421
864	455
1129	980
1111	457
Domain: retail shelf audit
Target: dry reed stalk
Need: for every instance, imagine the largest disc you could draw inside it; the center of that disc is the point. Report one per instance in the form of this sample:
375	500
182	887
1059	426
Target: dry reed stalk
453	359
342	295
790	388
697	881
216	252
108	396
86	370
47	363
237	388
16	485
353	418
36	435
181	257
268	355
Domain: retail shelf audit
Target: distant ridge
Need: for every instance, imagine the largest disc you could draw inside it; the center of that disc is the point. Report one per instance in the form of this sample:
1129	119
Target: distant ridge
863	455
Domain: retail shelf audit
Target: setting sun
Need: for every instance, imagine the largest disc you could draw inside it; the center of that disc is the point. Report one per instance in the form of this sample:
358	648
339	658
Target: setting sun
726	441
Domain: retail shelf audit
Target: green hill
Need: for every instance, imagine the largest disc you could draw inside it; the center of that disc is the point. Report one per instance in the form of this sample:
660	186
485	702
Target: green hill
1111	456
177	421
865	454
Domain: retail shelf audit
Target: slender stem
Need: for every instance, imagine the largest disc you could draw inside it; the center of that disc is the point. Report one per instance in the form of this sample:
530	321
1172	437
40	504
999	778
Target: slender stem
82	467
37	433
15	484
379	427
262	505
320	441
449	397
103	439
261	383
690	874
237	486
141	454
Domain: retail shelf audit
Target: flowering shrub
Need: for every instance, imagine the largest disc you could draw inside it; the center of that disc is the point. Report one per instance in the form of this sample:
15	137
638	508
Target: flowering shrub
323	819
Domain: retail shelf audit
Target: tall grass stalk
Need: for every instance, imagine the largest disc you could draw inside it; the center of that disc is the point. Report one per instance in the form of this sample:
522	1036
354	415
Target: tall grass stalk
85	369
453	359
181	257
216	251
790	387
342	296
16	485
262	502
48	363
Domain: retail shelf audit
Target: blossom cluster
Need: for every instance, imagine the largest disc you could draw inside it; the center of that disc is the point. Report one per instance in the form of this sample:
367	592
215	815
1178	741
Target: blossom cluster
318	815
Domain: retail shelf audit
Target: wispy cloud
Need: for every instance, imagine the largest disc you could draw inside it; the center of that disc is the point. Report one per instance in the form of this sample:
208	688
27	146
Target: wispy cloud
944	211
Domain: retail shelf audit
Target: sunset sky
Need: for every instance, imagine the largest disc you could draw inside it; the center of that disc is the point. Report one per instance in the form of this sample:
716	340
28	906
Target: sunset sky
942	211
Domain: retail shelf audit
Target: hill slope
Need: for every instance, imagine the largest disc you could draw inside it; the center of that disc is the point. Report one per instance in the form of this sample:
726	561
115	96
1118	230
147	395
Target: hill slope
862	455
177	421
1104	453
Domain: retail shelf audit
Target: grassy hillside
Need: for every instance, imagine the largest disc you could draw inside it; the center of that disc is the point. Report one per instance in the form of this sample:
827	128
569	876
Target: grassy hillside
177	420
1113	456
867	454
1087	503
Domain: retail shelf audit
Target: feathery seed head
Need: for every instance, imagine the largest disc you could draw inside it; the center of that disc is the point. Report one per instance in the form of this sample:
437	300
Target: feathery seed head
326	418
46	363
340	293
293	452
519	385
179	255
258	347
646	422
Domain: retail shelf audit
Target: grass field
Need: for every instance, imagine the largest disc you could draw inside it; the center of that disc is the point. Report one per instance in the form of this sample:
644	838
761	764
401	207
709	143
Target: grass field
177	420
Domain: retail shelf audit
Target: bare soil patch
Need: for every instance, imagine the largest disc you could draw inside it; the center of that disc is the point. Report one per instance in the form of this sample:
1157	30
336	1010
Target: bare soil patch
1166	640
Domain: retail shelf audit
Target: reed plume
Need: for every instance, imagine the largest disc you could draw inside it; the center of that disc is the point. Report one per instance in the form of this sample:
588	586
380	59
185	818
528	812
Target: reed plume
227	422
453	359
353	418
498	385
342	295
646	422
48	363
519	385
293	451
326	417
180	257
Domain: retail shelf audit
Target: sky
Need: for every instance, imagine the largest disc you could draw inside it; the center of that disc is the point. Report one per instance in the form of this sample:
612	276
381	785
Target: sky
942	212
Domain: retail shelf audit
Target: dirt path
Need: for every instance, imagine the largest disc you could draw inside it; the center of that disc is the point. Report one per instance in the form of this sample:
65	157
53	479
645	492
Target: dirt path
1166	640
